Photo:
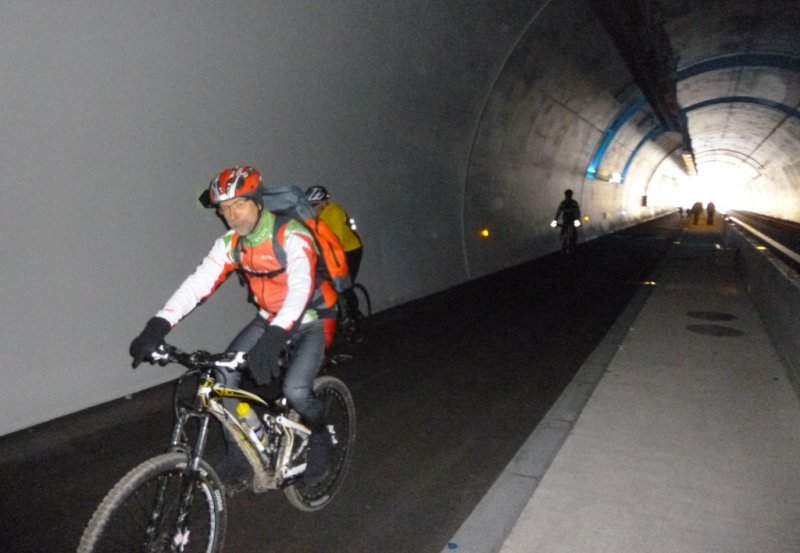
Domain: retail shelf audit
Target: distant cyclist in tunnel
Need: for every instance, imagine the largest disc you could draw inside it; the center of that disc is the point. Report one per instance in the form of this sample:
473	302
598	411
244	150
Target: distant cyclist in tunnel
570	212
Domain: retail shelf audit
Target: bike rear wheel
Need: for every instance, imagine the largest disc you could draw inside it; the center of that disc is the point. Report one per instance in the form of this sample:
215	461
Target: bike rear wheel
141	511
340	414
351	325
364	301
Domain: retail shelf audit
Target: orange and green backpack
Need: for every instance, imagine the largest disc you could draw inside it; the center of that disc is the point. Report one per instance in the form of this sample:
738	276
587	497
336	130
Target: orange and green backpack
289	202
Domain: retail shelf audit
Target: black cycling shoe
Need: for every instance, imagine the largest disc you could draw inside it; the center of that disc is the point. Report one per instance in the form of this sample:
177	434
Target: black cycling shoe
319	454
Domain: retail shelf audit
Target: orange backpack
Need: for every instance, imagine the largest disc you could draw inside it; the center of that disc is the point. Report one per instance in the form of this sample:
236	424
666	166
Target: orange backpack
289	202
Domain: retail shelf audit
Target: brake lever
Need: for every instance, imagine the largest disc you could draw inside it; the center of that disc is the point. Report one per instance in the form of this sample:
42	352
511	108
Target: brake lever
233	364
160	356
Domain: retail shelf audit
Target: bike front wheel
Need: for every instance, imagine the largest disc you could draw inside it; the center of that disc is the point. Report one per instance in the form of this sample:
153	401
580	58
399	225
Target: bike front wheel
340	417
143	511
569	241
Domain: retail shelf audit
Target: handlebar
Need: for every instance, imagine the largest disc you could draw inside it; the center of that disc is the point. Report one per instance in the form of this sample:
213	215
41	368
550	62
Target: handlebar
576	223
199	359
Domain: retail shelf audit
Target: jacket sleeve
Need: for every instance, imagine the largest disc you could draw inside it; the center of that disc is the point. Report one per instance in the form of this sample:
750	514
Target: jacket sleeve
212	272
301	259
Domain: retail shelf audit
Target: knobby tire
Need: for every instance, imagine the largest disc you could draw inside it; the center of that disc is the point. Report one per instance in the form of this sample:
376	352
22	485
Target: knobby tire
340	412
364	301
120	523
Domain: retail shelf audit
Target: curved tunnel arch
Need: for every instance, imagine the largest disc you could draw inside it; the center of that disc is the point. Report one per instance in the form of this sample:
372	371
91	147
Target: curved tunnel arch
707	157
517	169
699	69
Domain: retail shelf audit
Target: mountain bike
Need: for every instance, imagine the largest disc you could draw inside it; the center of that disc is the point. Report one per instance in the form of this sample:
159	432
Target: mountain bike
175	502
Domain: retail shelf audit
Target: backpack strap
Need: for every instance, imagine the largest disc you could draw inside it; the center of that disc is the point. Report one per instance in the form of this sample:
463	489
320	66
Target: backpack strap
321	273
238	248
281	220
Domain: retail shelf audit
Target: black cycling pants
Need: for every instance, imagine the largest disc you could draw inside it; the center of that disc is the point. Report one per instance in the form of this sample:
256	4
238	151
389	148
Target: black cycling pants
298	382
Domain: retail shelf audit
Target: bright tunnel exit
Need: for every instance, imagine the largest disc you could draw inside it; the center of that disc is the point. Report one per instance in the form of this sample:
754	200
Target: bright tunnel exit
728	185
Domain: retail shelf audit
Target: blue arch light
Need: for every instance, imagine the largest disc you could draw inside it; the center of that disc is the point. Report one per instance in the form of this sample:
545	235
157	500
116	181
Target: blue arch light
622	117
655	132
635	104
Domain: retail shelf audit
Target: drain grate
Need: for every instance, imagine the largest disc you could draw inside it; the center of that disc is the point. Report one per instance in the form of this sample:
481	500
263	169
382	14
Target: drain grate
711	315
715	330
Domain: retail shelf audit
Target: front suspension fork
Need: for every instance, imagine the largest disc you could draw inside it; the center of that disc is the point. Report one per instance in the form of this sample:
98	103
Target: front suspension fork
183	521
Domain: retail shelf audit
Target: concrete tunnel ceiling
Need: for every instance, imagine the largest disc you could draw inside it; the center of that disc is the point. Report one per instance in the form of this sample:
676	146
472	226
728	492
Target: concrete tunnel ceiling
566	111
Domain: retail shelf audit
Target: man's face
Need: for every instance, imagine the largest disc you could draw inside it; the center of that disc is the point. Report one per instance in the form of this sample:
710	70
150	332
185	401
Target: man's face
318	207
241	214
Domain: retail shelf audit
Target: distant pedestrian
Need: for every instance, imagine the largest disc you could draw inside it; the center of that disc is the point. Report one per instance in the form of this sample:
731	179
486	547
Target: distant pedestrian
710	210
697	209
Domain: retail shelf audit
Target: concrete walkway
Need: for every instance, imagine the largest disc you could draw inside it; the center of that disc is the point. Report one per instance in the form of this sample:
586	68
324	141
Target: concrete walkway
688	439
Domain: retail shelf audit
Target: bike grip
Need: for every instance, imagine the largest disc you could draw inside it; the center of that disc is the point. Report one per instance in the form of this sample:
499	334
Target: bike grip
151	358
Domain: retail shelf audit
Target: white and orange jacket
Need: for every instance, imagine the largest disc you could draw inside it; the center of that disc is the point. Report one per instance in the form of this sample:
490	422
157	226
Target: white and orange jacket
283	299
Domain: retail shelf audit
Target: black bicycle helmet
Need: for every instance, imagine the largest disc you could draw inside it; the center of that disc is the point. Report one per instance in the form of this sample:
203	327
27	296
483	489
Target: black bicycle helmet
316	194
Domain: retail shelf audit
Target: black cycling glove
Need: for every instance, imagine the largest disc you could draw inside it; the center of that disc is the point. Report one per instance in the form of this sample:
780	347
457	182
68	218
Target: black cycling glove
263	358
150	338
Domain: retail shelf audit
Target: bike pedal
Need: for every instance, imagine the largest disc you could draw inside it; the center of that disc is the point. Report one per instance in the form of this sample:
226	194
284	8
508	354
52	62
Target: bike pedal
354	340
236	488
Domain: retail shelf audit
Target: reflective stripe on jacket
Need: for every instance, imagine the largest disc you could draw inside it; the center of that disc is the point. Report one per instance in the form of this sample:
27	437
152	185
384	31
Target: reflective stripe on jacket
336	218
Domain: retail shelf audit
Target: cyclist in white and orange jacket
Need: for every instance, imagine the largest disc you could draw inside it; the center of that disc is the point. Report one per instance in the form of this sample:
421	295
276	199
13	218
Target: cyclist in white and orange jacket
292	305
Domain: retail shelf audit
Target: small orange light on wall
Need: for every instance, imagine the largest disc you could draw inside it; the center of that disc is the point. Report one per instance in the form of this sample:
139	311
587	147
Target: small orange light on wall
484	233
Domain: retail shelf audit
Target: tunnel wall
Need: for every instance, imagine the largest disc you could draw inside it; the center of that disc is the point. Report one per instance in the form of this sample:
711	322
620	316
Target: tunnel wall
558	92
775	291
117	114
